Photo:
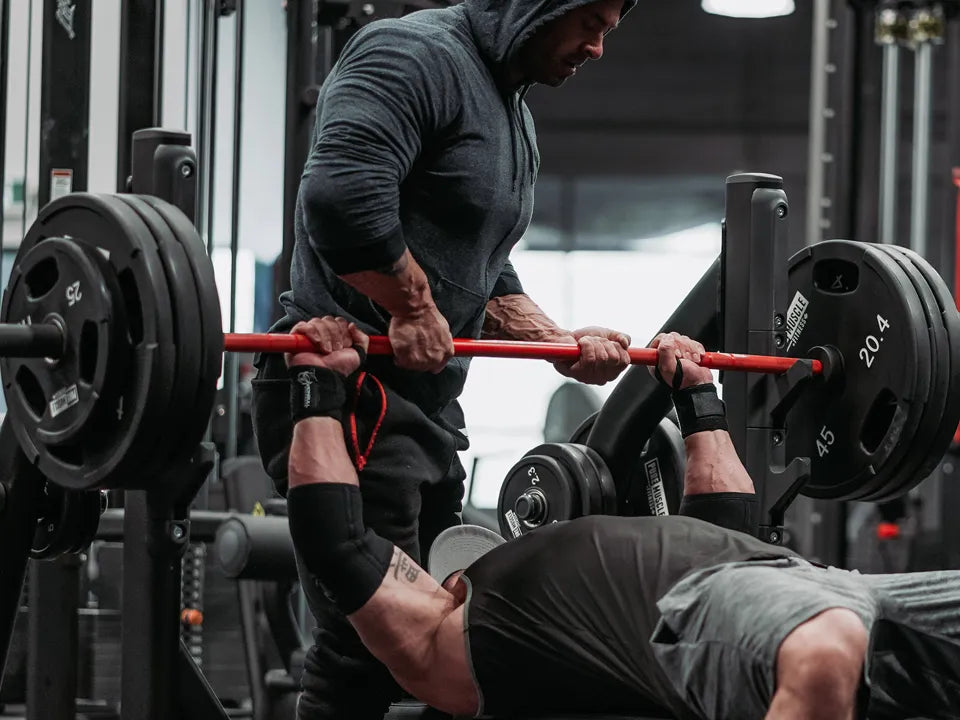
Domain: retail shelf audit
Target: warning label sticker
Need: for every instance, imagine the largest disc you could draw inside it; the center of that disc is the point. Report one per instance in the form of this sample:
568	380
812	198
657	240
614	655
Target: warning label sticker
656	496
514	522
796	319
63	400
61	183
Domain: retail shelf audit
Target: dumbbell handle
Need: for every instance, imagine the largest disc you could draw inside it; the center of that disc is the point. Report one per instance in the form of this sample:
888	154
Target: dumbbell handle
380	345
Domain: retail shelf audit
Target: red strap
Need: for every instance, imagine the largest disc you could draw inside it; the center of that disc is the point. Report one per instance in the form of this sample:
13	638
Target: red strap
360	458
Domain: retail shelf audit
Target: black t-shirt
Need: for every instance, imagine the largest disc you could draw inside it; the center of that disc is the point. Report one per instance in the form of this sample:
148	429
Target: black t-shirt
560	620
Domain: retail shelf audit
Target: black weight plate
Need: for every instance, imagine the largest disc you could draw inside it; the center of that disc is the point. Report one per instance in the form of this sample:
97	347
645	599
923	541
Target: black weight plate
853	297
581	434
917	460
182	405
54	401
949	357
542	477
654	485
54	534
608	488
581	470
154	425
209	317
132	425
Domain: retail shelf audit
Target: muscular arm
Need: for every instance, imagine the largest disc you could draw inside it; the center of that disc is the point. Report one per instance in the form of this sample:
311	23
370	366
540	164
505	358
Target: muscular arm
411	624
518	317
401	288
713	465
716	486
389	95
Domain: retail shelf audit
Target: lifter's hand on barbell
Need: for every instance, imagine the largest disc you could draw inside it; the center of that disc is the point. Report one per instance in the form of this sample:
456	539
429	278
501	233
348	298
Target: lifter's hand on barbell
603	356
336	339
673	348
422	341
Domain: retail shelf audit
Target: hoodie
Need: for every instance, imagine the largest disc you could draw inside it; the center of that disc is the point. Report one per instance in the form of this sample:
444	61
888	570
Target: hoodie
421	144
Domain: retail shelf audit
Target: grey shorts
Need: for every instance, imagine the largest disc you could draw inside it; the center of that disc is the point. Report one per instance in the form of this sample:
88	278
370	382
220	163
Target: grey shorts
721	628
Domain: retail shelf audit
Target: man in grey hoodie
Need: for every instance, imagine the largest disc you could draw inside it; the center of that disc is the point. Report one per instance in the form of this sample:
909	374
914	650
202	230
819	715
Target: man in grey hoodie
419	184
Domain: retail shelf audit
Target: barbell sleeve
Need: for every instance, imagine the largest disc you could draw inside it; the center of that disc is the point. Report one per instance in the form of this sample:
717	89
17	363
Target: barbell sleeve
380	345
31	341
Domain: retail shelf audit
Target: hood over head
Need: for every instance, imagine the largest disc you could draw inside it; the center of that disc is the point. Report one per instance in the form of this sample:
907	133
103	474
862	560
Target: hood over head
502	27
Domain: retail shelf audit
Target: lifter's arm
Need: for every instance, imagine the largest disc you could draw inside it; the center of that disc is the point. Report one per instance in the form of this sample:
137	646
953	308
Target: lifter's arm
403	616
716	486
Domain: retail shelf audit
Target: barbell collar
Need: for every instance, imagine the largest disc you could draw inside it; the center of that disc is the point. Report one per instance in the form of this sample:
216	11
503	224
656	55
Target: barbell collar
380	345
31	341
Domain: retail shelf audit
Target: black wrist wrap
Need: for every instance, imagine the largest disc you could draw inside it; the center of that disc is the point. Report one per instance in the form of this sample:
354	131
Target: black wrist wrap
699	409
348	560
316	392
734	511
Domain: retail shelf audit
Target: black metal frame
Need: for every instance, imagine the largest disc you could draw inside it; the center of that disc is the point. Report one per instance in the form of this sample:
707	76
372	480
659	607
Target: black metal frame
160	678
55	585
64	95
141	56
755	303
231	366
18	523
156	523
303	86
949	488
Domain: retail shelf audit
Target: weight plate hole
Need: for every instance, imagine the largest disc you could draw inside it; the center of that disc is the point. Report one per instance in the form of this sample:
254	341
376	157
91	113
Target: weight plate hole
877	423
41	278
88	351
67	454
31	390
836	276
131	302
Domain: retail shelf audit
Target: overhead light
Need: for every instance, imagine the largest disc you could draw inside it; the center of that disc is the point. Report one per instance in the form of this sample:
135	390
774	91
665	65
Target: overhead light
749	8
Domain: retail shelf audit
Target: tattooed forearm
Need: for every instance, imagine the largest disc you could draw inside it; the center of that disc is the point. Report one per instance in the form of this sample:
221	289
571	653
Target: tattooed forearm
403	567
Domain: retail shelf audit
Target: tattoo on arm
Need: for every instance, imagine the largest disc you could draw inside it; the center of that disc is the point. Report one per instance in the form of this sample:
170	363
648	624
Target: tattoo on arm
403	567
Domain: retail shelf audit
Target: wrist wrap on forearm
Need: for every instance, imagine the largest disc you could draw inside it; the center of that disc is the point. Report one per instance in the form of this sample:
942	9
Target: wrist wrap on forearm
699	409
349	560
734	511
316	392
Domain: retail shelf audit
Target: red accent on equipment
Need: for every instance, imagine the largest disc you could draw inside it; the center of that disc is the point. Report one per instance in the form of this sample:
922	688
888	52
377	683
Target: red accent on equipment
380	345
888	531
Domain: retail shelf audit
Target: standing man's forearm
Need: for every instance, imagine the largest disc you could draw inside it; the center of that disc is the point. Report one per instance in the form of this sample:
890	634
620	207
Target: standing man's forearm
400	288
518	317
419	334
603	352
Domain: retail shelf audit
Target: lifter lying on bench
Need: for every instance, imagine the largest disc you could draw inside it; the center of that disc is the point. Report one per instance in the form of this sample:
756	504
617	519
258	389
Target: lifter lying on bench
690	615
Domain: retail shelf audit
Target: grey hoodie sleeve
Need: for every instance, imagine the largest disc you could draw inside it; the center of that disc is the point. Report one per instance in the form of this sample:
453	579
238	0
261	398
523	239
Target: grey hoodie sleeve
386	97
508	283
